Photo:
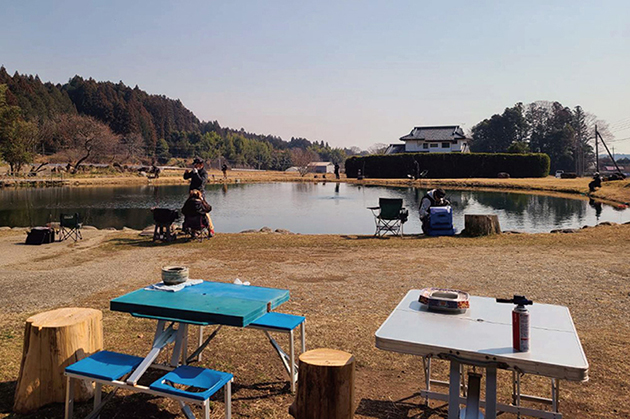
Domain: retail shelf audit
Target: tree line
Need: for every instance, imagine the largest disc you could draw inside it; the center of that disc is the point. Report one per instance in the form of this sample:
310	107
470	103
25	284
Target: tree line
89	121
566	135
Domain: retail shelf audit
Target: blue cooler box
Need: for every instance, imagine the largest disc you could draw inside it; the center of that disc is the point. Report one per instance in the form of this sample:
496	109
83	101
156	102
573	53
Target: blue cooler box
441	221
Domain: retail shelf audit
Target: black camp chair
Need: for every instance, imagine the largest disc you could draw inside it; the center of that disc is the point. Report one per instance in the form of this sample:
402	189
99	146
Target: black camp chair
197	227
70	226
389	216
164	219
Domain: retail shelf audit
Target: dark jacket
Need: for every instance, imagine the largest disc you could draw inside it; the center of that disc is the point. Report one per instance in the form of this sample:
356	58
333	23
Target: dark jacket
198	179
196	207
195	211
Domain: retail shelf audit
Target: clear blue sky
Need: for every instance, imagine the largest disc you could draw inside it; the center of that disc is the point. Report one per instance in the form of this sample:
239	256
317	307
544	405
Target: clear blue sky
346	72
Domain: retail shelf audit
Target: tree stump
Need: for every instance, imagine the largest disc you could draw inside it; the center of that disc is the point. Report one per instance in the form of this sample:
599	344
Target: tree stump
481	225
325	388
52	341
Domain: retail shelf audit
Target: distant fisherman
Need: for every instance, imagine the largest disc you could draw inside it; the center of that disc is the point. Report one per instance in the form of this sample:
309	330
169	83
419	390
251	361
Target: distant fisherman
198	176
433	198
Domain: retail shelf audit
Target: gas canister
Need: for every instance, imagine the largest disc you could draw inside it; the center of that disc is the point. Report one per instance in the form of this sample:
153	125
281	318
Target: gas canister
520	322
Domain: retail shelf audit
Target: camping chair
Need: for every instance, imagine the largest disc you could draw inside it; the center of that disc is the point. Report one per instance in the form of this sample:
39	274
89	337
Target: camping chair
389	216
196	227
70	226
164	219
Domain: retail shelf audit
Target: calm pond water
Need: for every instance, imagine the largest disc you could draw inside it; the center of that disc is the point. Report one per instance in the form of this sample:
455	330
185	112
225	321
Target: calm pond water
307	208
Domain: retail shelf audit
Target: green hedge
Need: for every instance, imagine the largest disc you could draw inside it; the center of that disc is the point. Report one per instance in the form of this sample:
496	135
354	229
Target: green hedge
449	165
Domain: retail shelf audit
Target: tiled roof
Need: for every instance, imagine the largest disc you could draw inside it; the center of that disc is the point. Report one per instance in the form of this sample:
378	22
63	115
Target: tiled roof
395	148
441	133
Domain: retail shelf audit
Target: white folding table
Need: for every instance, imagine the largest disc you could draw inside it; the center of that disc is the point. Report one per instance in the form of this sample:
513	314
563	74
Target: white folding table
482	337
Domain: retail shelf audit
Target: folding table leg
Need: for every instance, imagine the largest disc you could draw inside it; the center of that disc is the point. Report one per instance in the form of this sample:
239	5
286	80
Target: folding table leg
200	342
555	393
426	365
182	330
491	393
98	393
472	401
228	400
69	398
162	338
303	335
453	391
292	361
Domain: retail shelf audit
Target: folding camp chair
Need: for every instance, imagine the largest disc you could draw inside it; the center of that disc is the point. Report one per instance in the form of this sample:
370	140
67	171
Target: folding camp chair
164	219
389	216
70	226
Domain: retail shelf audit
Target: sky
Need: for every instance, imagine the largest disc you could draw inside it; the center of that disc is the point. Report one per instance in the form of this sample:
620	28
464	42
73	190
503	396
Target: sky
350	73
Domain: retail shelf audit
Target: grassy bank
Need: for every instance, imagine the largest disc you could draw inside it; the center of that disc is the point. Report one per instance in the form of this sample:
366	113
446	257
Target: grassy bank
617	192
346	286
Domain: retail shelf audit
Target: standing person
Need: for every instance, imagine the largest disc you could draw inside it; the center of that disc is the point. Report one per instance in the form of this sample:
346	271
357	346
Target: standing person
416	168
337	170
433	198
198	176
224	170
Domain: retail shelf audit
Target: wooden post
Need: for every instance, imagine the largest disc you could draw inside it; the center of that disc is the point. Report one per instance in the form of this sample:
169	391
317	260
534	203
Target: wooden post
481	225
325	388
52	341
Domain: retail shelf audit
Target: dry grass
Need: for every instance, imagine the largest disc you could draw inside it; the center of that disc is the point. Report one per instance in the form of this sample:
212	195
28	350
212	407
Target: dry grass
346	286
617	192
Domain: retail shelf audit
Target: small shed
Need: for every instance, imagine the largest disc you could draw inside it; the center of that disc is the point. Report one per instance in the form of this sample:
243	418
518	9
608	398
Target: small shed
321	167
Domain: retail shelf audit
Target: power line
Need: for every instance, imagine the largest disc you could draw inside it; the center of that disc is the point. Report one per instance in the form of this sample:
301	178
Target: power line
619	122
619	140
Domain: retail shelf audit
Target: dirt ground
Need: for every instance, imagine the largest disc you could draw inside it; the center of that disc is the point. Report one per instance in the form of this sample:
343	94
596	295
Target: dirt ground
346	286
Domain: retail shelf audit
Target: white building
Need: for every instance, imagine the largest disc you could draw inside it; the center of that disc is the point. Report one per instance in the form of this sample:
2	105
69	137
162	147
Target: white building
321	167
442	139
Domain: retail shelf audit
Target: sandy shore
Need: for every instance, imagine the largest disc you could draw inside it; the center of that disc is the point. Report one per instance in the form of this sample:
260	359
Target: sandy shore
346	286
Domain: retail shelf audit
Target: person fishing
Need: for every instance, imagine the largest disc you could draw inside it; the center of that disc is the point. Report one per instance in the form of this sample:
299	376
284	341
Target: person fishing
433	198
198	176
224	169
595	183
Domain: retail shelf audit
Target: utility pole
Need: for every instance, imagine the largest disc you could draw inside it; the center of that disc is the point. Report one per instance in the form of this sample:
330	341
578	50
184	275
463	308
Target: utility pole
596	151
607	150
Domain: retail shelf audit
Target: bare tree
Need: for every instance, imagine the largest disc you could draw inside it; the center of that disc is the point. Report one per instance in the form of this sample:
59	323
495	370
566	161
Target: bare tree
85	139
131	147
301	158
378	148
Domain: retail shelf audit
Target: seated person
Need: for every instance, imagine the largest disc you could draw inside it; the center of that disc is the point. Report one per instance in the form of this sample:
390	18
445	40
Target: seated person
433	198
196	213
595	183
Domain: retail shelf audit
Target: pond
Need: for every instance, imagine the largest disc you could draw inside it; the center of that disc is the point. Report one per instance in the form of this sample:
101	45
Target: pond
308	208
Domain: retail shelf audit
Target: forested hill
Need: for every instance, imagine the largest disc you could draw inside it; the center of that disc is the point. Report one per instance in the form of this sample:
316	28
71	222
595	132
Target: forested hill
166	127
128	110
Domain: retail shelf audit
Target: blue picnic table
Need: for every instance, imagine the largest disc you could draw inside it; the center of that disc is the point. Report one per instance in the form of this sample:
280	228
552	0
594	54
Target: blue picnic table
208	303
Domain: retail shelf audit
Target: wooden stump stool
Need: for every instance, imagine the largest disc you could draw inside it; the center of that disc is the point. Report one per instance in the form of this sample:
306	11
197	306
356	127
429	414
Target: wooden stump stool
481	225
52	341
325	388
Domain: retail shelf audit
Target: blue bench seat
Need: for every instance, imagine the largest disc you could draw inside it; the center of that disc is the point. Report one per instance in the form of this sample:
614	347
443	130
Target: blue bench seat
105	365
279	321
202	378
109	368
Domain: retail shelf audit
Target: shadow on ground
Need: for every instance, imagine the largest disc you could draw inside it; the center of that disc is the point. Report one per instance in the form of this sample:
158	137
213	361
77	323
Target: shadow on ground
386	237
387	409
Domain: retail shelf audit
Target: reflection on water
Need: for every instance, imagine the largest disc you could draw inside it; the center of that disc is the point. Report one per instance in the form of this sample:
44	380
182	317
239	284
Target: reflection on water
309	208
